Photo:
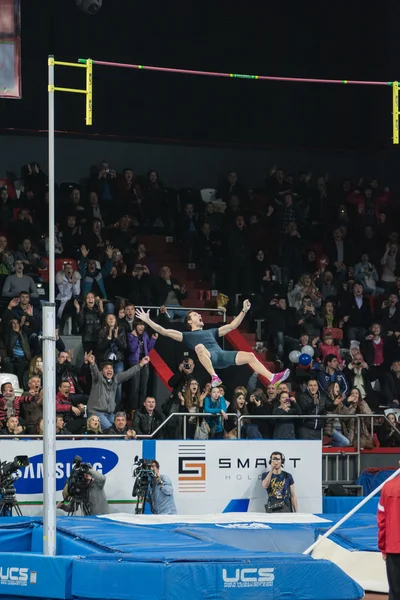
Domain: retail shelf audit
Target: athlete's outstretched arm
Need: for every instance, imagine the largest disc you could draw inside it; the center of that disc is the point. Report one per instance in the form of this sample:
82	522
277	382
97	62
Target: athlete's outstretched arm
171	333
236	321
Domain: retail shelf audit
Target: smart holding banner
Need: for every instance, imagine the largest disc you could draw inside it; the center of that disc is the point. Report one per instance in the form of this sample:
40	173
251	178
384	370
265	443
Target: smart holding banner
209	477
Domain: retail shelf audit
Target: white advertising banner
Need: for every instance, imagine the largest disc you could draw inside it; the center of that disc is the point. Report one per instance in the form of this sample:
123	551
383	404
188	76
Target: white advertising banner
208	477
217	476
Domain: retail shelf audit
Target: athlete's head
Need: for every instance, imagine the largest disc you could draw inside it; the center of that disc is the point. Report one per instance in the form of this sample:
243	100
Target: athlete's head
194	320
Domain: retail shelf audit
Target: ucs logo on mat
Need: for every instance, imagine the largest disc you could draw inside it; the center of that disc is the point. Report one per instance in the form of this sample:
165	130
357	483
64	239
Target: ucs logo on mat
192	474
31	481
250	577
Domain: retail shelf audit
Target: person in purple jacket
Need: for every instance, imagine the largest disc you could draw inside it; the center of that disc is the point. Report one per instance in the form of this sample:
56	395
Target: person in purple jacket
139	346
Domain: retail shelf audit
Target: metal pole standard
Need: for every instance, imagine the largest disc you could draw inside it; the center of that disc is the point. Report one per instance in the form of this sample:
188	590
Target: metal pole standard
350	514
49	358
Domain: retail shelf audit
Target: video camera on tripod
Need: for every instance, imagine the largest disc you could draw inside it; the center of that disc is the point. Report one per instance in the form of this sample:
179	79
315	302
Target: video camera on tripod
78	486
143	473
8	476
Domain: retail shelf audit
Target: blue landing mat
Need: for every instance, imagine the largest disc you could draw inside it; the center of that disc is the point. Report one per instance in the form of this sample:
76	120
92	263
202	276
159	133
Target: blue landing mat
122	561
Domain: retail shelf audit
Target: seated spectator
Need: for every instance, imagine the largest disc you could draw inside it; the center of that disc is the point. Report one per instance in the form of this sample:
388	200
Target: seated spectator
60	426
71	237
73	414
330	373
388	437
32	261
111	348
216	405
104	388
6	257
327	346
124	237
305	287
391	385
93	426
120	427
28	315
93	210
280	325
261	404
291	251
96	239
147	418
327	285
356	313
337	429
140	286
31	404
375	350
69	289
361	376
390	264
313	401
329	316
340	251
18	348
308	318
12	427
140	345
19	282
24	227
359	406
93	278
192	401
365	273
89	320
389	316
9	403
284	429
66	371
128	320
35	370
170	293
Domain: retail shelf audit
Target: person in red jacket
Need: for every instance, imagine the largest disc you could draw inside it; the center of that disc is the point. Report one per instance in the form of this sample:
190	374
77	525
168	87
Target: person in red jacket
389	534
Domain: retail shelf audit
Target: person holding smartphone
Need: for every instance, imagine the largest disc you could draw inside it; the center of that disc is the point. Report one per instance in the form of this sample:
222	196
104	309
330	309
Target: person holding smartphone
280	486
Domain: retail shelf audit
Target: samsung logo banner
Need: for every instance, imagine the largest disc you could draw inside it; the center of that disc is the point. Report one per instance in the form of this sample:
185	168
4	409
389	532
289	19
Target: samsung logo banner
31	481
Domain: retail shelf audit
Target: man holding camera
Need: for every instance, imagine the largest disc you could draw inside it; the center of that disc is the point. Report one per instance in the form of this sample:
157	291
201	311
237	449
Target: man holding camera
280	487
91	484
161	492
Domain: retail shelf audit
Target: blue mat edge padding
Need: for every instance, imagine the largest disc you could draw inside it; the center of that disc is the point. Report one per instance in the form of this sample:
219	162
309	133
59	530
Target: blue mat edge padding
193	560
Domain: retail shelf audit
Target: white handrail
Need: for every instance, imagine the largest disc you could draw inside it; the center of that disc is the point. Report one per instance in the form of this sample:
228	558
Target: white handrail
350	513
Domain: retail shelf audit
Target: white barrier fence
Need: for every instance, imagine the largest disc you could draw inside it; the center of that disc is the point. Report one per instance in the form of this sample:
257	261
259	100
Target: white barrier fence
208	477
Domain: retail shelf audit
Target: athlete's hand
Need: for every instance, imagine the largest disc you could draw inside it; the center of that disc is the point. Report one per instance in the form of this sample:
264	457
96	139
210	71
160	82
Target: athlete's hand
246	306
142	315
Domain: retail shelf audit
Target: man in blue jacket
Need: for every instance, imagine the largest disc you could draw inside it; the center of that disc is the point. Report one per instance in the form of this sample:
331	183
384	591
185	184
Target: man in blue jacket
161	493
330	373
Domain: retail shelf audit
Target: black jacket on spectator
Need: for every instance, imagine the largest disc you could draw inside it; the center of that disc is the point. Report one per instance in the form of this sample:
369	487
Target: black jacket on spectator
114	431
265	426
89	322
390	323
116	346
141	290
163	288
358	317
366	378
368	351
144	424
308	407
278	320
68	372
391	387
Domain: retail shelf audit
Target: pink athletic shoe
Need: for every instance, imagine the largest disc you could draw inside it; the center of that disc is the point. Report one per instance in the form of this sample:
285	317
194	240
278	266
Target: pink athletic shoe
279	377
215	381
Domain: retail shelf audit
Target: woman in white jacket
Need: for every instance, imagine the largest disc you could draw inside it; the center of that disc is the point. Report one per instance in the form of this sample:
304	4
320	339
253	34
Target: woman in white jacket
69	288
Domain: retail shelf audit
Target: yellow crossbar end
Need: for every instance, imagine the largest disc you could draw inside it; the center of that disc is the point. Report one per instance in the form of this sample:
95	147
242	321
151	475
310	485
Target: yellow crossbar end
395	115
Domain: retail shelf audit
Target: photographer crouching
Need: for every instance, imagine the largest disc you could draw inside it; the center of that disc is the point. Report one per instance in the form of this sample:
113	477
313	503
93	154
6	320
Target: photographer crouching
84	491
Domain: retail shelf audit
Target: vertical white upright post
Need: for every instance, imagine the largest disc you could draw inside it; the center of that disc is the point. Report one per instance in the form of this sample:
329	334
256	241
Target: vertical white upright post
49	358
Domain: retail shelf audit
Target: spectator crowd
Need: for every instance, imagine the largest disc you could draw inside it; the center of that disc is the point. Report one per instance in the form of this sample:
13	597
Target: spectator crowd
319	260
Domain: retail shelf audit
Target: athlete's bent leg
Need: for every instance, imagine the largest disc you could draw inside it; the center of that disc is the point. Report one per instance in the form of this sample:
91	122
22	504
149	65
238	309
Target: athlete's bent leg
204	357
248	358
